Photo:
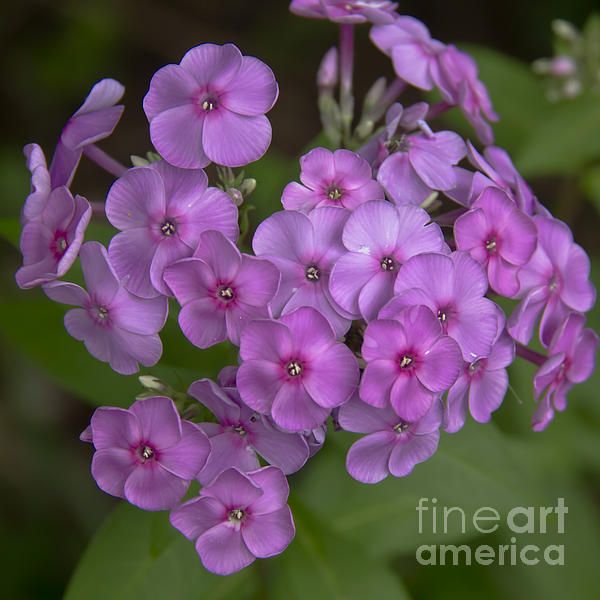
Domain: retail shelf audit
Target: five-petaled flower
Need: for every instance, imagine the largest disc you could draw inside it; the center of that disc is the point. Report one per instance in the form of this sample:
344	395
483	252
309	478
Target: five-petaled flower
115	326
392	446
410	362
238	518
341	178
146	454
211	107
497	234
220	290
294	370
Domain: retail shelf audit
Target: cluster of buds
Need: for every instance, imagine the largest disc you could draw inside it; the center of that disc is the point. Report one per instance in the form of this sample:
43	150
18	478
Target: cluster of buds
368	301
575	66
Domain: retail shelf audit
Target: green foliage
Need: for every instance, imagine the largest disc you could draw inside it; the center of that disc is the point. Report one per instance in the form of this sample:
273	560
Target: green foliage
139	555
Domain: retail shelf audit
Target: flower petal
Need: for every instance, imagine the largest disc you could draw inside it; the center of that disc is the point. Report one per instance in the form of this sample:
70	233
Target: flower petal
367	459
197	516
416	450
253	91
159	421
223	551
151	487
269	534
177	134
235	140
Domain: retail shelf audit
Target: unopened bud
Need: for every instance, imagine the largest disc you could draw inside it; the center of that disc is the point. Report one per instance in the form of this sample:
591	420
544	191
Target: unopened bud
153	384
138	161
247	187
375	93
562	66
331	118
565	30
236	196
328	73
572	88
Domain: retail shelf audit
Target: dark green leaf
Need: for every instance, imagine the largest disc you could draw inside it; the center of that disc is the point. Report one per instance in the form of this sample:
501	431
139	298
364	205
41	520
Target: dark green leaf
566	140
139	555
321	565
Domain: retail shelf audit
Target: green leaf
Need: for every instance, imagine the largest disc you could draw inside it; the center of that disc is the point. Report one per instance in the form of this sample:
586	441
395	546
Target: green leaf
10	230
566	140
590	184
473	468
138	554
323	566
34	326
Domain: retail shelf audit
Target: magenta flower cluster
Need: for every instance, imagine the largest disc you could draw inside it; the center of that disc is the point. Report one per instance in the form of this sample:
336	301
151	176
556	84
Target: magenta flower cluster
367	302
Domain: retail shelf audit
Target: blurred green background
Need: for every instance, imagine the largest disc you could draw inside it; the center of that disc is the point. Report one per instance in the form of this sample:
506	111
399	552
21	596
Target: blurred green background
353	541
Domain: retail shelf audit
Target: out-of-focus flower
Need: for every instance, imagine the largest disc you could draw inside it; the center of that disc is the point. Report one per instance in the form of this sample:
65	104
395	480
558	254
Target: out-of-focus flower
304	248
410	362
571	358
453	287
95	120
379	237
211	107
341	178
555	281
480	387
294	370
220	290
116	326
499	236
237	519
241	434
392	446
346	11
413	52
419	164
146	454
51	241
162	211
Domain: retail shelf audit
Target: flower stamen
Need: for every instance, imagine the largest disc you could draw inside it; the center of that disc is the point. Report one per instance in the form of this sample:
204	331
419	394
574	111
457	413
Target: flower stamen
387	264
168	228
313	273
293	368
236	515
334	193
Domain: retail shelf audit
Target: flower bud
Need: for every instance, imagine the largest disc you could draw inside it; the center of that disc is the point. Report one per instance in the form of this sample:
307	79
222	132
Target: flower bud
328	73
236	195
565	30
248	186
153	384
562	66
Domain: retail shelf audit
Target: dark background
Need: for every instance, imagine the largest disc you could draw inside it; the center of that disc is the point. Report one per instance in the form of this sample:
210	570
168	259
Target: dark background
50	55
